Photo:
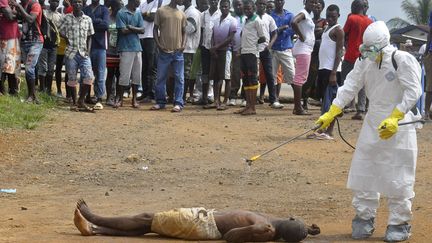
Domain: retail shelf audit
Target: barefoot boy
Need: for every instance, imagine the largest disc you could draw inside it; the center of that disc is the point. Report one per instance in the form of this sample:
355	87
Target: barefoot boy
252	35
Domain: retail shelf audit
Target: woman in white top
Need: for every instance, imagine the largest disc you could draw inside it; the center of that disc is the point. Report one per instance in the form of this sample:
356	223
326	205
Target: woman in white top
304	27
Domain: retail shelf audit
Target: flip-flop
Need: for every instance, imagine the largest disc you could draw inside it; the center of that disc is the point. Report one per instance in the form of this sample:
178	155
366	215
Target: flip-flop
312	135
85	108
221	108
209	106
98	106
176	108
157	107
301	113
349	110
74	108
324	136
240	111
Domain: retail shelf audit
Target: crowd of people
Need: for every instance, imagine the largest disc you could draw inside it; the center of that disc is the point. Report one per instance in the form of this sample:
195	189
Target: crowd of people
162	53
167	52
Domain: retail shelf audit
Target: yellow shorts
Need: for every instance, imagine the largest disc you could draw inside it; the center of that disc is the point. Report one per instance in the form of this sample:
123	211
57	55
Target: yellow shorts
187	224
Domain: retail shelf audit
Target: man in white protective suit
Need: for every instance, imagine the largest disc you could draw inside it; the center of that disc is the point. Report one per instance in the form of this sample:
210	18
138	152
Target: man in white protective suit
385	158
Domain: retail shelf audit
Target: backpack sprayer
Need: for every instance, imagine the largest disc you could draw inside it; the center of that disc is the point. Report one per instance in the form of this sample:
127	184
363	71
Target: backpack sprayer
256	157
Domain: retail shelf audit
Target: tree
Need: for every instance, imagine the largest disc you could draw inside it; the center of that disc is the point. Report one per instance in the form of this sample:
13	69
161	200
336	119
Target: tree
417	12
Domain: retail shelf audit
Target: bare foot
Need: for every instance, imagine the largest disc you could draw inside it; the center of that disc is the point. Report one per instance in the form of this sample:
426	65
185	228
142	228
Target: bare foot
118	104
84	209
240	111
248	112
82	224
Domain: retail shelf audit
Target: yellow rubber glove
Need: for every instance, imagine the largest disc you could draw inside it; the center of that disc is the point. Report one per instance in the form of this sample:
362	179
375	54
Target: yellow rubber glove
329	116
389	126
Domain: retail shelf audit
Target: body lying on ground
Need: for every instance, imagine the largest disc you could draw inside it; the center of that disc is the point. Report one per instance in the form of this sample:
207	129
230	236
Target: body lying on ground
196	224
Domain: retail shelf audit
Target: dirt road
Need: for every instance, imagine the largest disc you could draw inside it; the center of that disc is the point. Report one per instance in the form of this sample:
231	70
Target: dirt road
129	161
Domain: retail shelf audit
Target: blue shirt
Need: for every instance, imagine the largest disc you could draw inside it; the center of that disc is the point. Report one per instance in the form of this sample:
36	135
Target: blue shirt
284	39
101	19
128	42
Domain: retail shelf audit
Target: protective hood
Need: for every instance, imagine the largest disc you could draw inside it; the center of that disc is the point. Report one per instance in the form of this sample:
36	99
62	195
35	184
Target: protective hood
377	34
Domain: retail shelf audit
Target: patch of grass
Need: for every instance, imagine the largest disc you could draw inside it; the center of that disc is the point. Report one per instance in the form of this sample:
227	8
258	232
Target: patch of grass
15	113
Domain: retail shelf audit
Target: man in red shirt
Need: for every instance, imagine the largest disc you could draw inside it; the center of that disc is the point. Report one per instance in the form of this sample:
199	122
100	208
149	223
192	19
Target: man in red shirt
30	11
354	28
9	47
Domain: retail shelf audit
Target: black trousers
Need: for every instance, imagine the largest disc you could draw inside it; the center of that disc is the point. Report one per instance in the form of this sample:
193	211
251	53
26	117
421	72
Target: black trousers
249	69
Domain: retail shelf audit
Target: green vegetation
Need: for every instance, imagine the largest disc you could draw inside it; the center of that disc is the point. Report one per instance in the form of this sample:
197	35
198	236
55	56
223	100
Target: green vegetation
15	113
417	12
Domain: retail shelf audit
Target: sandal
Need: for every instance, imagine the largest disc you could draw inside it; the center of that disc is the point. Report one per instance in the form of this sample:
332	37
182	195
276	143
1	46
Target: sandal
358	116
349	110
85	108
221	108
240	111
248	113
199	102
176	108
118	104
135	104
324	136
301	113
157	107
209	106
312	135
98	106
74	108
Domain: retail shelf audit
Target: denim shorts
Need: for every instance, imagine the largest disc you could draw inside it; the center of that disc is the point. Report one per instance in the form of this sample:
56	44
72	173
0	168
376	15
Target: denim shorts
83	64
30	52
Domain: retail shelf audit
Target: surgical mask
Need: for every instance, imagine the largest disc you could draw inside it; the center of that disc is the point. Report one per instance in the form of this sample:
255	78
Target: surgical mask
369	52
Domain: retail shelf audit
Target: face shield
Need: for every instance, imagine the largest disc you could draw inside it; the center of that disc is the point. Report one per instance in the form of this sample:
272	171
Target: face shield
375	38
370	52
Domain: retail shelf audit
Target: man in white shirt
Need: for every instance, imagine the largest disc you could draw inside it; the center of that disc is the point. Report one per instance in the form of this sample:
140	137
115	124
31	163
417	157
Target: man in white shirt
193	35
235	62
207	20
224	29
269	28
148	9
252	35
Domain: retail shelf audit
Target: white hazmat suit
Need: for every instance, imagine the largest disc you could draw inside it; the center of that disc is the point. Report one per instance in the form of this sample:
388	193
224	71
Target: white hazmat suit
380	166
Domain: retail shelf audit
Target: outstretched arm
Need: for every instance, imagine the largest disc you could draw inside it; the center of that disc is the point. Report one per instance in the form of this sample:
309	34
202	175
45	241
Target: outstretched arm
253	233
352	85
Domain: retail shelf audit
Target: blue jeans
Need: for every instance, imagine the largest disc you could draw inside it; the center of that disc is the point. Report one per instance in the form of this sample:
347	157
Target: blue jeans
83	64
176	62
98	60
30	52
266	61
